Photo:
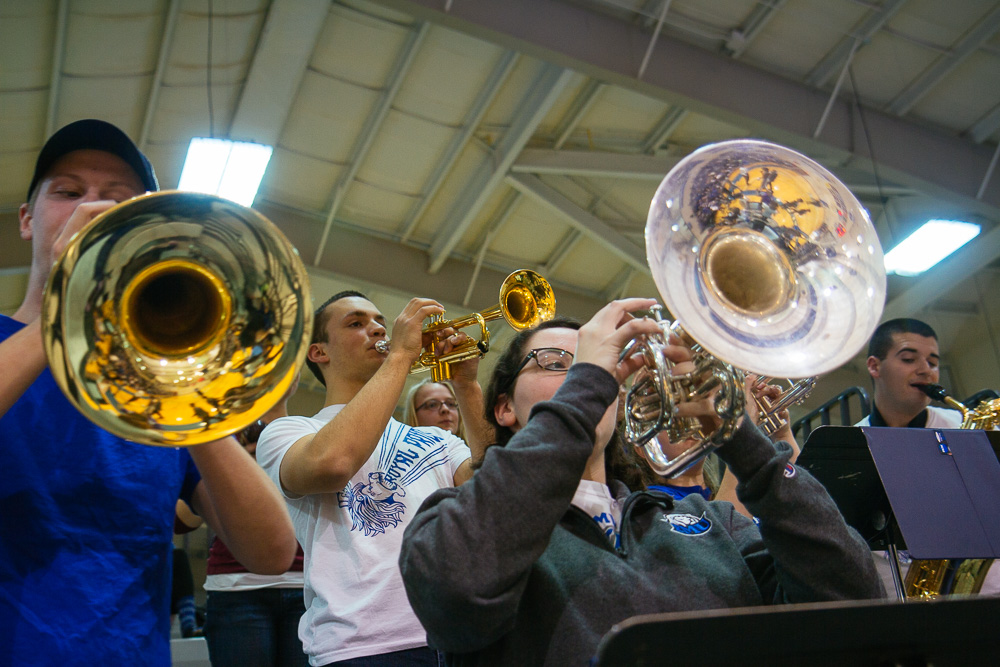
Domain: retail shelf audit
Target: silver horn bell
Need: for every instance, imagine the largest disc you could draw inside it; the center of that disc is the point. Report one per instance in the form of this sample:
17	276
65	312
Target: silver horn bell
772	265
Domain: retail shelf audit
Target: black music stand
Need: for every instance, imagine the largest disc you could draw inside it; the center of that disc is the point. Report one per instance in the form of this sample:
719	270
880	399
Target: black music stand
935	492
945	633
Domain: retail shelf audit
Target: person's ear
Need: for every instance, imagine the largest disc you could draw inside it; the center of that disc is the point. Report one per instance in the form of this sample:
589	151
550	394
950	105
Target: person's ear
873	366
504	411
25	216
317	353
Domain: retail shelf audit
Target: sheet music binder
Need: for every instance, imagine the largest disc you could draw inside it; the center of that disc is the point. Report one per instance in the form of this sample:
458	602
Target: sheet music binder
940	487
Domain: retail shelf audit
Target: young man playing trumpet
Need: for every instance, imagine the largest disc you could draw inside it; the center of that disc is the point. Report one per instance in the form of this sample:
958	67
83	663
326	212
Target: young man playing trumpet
86	518
353	478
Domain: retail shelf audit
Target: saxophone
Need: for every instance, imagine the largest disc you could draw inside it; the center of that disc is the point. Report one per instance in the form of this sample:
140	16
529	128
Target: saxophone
928	579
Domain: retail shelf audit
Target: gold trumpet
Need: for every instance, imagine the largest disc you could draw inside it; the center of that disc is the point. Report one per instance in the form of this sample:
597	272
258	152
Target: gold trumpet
176	318
772	265
526	299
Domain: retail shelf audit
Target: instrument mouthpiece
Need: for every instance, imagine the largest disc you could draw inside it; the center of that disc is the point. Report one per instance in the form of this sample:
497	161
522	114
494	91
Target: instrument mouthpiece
935	391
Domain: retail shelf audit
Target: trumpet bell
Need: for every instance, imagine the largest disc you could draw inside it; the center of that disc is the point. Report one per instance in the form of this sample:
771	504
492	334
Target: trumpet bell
768	260
177	318
526	299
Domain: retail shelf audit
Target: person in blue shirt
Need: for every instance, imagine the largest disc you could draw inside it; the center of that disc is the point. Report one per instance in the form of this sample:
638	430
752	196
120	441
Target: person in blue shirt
86	518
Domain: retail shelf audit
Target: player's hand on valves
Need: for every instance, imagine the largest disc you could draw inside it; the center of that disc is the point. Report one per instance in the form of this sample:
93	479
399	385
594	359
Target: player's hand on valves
699	406
407	331
764	395
79	219
467	370
602	339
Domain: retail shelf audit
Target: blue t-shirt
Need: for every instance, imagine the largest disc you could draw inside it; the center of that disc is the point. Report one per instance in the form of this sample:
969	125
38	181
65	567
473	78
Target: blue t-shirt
86	528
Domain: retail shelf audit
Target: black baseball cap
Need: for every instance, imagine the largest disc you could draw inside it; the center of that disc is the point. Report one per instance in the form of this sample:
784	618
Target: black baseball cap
97	135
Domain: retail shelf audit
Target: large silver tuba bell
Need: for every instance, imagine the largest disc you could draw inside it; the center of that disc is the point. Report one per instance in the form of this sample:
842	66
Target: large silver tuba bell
176	318
772	265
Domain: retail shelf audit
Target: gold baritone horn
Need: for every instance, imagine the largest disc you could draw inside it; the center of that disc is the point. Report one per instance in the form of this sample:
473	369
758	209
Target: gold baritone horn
177	318
526	300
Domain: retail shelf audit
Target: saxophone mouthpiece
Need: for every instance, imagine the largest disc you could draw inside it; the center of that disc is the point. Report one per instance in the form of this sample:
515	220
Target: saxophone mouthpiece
935	391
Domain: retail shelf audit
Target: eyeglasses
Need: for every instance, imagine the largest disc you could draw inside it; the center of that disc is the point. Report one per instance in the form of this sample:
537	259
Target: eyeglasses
435	404
251	433
548	359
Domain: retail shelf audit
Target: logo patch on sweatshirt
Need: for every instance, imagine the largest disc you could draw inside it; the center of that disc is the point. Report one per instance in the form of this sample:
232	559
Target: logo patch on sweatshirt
789	470
688	524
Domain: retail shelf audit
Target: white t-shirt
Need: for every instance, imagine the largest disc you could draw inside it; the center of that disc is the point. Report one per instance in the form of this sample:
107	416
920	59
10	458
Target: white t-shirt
354	597
596	500
936	418
248	581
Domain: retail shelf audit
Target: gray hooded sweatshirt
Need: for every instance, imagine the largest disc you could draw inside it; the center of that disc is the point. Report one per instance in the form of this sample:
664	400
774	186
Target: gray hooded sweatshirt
504	571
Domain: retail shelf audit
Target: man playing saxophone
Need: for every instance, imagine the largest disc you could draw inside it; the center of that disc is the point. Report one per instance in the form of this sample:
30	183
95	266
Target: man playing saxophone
903	356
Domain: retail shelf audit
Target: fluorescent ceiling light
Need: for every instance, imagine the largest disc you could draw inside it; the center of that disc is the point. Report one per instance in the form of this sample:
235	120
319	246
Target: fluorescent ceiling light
230	169
927	246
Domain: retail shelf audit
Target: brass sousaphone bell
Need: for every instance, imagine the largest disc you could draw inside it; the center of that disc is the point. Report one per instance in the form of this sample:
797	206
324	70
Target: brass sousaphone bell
526	300
176	318
772	265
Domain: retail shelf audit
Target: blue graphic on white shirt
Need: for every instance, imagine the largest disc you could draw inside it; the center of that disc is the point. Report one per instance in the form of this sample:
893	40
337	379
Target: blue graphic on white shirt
688	524
606	522
406	455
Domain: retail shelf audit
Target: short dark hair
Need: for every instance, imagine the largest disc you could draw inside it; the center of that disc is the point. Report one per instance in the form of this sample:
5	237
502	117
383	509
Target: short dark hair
506	369
320	320
881	341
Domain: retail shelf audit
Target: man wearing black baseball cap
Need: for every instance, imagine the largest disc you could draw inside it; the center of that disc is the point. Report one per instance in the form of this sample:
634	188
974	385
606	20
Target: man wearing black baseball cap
86	517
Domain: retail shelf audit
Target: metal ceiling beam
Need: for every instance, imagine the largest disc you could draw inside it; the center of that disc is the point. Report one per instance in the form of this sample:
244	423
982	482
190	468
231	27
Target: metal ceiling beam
664	128
370	130
55	78
965	47
355	251
503	68
287	41
986	126
618	287
593	164
740	39
562	251
492	169
581	105
762	103
161	66
833	61
584	221
652	41
507	207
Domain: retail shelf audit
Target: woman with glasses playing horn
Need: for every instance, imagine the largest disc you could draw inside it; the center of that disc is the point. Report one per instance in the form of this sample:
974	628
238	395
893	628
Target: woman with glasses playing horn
555	553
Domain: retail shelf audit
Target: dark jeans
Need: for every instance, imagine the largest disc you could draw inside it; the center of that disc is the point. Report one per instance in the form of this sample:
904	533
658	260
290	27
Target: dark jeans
418	657
255	628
